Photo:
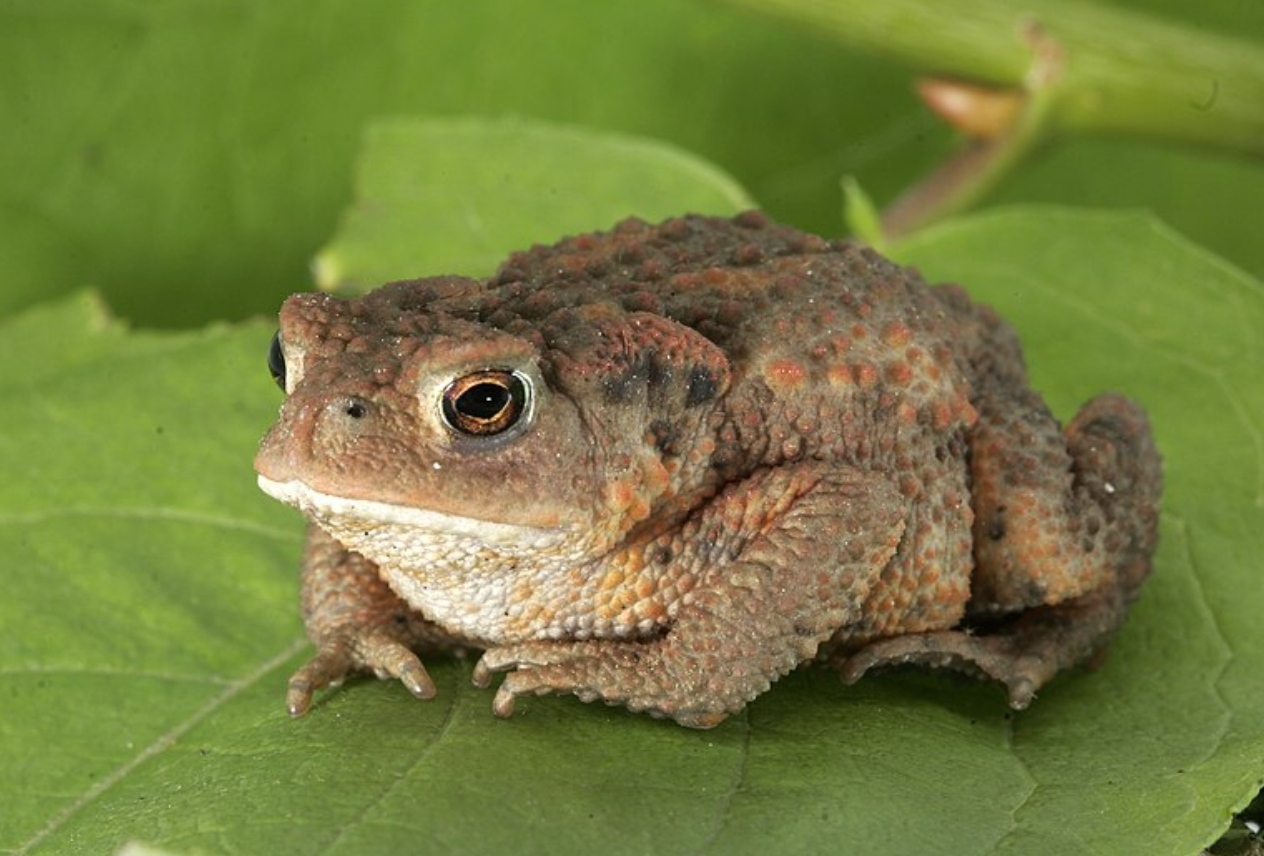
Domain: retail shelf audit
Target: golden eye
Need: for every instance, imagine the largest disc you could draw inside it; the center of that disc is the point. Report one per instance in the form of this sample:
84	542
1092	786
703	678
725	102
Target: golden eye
485	403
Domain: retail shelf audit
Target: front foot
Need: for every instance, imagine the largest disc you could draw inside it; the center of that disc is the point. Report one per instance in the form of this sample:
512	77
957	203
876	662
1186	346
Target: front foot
635	674
348	652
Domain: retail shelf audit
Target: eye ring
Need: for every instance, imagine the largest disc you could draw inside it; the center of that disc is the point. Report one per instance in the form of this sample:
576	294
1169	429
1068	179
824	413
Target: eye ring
487	402
276	360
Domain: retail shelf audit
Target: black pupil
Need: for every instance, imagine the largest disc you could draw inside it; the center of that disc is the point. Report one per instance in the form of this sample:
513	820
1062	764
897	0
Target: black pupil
483	401
276	360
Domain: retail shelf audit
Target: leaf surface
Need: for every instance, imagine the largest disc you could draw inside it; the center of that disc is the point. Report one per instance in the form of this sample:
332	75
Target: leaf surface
448	195
150	622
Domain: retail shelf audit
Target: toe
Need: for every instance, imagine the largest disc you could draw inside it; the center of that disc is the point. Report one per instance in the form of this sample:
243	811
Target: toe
503	703
329	666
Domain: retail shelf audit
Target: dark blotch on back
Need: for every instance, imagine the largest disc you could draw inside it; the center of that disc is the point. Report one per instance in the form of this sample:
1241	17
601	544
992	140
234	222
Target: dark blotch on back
702	386
646	372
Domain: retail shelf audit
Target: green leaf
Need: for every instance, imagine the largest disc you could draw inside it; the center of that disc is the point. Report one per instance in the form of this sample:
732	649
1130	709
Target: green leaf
451	194
150	624
1118	301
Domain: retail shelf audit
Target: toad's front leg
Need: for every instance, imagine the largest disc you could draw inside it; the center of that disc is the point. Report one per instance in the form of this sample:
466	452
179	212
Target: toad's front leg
783	559
358	624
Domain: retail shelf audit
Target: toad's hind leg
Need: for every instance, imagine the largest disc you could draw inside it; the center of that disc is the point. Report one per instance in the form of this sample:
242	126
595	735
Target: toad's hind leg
1065	526
1059	514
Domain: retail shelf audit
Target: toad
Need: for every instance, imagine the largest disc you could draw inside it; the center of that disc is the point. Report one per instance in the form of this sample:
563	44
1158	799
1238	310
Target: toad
664	465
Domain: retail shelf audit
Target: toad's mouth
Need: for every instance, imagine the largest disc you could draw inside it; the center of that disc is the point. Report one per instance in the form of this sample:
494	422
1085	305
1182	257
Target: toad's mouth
365	515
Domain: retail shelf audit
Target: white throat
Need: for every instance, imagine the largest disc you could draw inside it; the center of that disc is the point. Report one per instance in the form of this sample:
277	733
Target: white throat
465	574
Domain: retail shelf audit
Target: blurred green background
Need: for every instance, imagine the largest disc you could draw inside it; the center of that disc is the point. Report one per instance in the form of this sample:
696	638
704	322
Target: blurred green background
189	157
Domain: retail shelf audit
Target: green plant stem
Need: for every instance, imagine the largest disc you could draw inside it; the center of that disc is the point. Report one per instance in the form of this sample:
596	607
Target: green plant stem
1125	72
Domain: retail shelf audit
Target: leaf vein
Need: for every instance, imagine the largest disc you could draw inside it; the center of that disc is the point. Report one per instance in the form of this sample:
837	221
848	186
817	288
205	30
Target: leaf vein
161	744
709	844
404	775
149	513
44	670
